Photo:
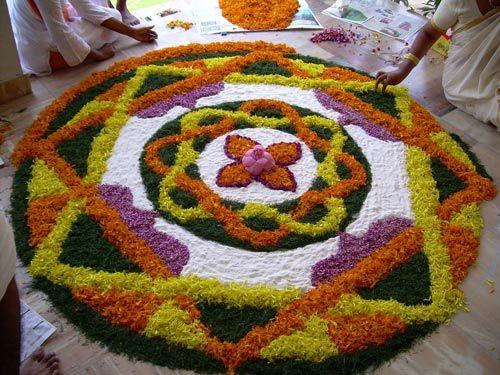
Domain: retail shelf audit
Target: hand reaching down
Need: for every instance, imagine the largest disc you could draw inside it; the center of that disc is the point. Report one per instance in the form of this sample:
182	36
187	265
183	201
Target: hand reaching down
390	78
144	34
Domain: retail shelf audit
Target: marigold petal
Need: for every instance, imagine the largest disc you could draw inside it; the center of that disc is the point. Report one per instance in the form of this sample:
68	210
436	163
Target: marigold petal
285	153
278	178
234	175
236	146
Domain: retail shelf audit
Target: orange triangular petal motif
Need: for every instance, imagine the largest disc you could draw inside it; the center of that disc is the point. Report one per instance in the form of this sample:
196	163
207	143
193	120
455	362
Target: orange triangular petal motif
285	153
236	146
234	175
42	214
278	178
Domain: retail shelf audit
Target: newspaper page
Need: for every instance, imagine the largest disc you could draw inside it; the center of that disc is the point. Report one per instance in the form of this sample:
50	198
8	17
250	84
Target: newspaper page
209	20
383	16
34	330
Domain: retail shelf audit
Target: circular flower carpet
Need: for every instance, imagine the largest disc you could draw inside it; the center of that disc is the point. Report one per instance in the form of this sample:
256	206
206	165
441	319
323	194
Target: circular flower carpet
240	208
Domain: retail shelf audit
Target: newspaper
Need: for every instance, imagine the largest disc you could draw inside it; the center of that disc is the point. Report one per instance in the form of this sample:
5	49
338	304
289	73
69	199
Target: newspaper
209	20
34	330
383	16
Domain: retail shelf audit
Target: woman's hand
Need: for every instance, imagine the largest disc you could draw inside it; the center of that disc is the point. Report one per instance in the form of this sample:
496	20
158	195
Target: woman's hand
144	34
426	37
391	78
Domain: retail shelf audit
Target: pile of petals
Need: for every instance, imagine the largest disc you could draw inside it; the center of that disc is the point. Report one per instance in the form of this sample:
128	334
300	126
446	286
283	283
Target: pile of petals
178	23
259	14
336	35
167	12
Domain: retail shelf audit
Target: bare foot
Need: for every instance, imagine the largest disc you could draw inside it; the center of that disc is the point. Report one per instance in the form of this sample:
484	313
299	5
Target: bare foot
107	50
129	18
41	363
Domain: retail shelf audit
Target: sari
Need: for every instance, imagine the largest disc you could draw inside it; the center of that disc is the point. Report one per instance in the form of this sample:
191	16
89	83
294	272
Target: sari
472	70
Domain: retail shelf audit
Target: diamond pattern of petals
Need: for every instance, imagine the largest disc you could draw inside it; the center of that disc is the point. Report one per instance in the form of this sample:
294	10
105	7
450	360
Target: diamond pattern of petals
278	178
285	153
236	146
234	175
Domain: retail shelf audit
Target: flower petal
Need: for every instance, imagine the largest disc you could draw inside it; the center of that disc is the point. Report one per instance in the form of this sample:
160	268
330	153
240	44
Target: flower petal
285	153
236	146
278	178
234	175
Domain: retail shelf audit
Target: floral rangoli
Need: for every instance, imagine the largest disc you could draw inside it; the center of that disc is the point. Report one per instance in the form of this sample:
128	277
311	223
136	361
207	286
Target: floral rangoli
241	208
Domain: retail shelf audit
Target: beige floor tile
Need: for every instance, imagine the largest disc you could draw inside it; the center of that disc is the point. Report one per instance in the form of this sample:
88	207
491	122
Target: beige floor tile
464	123
124	366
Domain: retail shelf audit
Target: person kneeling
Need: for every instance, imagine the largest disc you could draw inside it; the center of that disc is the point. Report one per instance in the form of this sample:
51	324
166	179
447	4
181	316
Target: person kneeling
52	34
471	77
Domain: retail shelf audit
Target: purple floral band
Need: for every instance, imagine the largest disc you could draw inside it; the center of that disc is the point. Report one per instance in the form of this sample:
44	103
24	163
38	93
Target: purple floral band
187	100
352	117
352	249
141	222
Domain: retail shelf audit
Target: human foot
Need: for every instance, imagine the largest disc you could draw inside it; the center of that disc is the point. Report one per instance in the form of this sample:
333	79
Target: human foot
128	18
105	52
41	363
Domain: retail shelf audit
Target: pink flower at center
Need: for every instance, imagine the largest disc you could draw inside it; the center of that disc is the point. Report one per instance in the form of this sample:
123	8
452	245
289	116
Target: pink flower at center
257	159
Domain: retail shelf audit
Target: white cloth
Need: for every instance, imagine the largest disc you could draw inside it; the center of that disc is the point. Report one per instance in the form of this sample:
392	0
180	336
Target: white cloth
73	38
7	255
471	77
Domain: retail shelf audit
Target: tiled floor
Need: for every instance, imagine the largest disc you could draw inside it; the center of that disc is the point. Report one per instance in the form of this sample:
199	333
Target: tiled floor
470	344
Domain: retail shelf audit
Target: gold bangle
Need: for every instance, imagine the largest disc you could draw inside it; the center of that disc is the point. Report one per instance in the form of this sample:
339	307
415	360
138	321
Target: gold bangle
410	56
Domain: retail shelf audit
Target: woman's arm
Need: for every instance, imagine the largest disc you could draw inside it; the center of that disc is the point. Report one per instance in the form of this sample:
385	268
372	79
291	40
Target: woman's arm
101	16
424	41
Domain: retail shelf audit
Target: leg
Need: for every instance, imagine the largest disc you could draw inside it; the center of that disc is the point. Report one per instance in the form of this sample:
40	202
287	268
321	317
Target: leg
10	326
128	17
57	62
39	363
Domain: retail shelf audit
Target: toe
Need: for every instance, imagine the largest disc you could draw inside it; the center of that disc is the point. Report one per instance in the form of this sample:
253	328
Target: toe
54	367
52	361
38	354
48	357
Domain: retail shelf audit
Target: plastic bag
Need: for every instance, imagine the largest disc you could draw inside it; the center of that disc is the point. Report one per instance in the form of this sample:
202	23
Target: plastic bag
340	8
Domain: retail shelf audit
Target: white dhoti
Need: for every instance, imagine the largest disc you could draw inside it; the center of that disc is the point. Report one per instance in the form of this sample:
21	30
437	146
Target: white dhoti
72	29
